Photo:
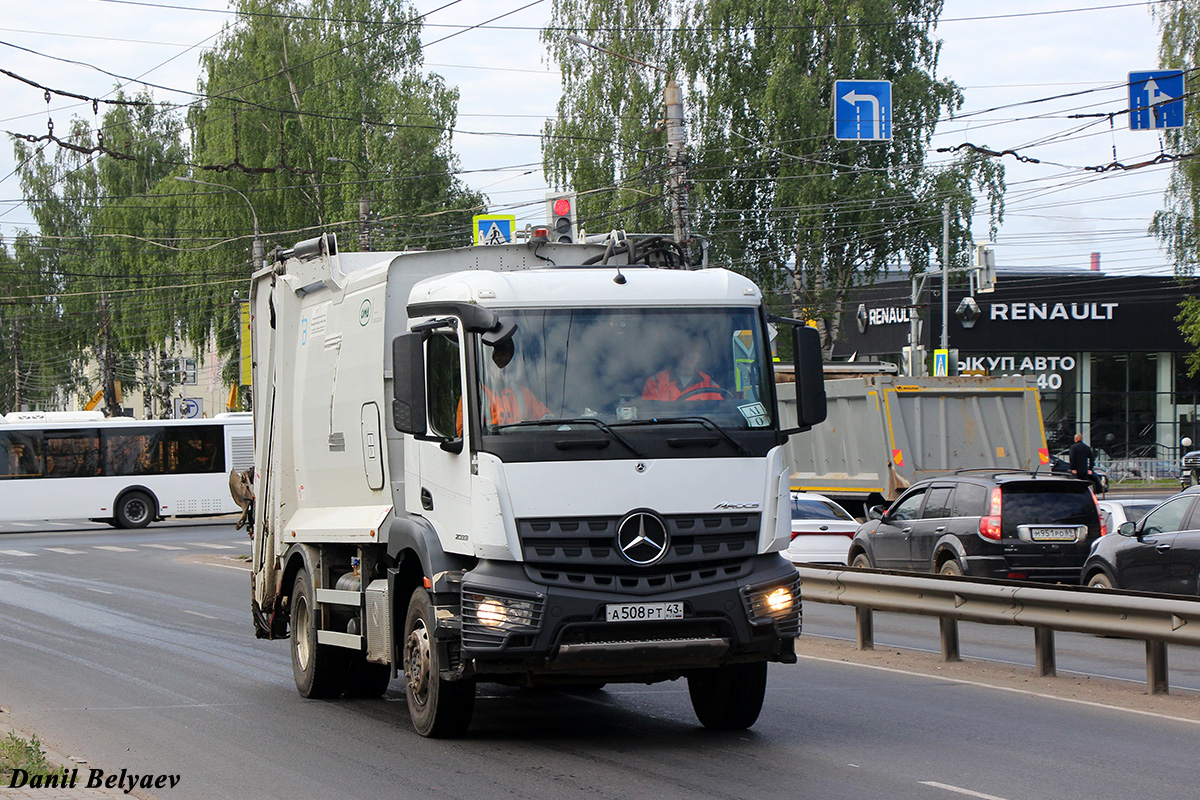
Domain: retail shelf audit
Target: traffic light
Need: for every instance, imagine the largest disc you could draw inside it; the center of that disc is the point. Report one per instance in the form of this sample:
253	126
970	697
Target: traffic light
560	217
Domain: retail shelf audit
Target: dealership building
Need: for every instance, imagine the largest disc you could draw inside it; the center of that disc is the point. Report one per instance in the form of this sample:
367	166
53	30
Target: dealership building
1106	351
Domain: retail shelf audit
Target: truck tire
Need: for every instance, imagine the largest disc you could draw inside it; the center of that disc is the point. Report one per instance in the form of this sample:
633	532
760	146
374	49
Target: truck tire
319	669
728	698
366	679
439	708
134	510
862	561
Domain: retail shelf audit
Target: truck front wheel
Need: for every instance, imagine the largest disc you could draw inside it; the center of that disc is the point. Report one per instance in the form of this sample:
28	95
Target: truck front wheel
438	707
319	669
728	698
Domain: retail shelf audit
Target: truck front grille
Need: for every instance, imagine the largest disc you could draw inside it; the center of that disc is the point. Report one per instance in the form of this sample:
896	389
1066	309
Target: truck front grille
583	553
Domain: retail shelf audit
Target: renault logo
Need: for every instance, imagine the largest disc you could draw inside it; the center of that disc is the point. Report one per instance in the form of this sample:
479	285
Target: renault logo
642	538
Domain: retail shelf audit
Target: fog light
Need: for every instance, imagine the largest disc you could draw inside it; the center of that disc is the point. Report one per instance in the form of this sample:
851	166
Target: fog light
492	613
779	600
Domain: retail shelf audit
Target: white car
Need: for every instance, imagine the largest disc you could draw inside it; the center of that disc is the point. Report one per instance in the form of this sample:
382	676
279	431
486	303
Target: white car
821	530
1114	512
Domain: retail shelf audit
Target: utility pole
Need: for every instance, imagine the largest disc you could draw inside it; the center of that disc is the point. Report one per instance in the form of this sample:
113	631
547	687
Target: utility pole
107	379
17	364
677	166
677	181
364	205
946	275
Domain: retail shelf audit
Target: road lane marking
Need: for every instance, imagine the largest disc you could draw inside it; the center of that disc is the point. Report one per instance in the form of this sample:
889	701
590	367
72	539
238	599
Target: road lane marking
960	790
97	591
17	553
66	550
115	549
211	545
165	546
1013	690
197	614
227	566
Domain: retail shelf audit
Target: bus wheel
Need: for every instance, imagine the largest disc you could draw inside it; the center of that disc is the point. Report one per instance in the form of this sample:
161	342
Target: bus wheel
438	707
728	698
319	669
134	510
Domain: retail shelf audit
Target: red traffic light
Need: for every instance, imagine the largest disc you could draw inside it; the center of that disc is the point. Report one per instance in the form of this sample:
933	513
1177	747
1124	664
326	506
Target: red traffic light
562	206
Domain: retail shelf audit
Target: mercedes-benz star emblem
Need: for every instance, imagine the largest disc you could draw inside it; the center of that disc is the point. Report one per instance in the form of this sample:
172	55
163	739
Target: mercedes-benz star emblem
642	538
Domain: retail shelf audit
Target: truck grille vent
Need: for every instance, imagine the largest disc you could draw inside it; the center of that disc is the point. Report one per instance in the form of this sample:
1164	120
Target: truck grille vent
692	540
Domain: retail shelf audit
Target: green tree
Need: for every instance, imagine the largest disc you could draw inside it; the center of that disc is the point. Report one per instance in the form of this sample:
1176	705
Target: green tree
111	290
1175	224
773	191
310	106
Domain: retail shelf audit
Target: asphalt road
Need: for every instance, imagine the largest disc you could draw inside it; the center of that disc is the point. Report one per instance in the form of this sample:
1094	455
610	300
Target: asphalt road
118	649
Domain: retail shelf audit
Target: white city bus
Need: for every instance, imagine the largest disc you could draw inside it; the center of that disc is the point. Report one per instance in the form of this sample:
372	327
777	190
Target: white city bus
127	472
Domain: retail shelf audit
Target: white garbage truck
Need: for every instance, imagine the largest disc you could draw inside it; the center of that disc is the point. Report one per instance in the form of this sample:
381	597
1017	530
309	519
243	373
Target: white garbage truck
535	464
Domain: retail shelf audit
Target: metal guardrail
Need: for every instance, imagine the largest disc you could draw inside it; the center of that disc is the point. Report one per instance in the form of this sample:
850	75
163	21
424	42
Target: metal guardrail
1157	620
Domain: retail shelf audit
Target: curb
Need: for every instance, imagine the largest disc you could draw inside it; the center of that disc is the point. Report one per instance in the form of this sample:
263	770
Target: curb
62	762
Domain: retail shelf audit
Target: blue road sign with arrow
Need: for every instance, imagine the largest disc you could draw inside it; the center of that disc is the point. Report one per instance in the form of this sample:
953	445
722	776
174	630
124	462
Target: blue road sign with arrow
1156	100
862	110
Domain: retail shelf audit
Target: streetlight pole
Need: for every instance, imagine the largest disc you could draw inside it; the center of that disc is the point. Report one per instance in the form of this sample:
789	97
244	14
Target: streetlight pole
256	253
364	205
676	147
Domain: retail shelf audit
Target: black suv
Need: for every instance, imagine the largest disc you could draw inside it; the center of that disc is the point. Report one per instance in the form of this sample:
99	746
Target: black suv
1017	525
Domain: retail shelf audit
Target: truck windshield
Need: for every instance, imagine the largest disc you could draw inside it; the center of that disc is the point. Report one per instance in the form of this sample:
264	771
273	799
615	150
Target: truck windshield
628	367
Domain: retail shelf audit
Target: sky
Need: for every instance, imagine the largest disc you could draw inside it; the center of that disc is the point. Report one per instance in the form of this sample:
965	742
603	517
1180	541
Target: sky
1011	60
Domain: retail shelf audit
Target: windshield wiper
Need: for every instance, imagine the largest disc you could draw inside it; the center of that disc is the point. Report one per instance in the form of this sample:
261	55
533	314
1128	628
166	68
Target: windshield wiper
704	421
543	423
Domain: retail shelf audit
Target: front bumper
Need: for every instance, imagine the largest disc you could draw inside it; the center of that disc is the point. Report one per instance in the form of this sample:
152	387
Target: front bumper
560	630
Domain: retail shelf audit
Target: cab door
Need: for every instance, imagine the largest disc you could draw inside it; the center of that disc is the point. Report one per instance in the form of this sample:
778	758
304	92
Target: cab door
442	490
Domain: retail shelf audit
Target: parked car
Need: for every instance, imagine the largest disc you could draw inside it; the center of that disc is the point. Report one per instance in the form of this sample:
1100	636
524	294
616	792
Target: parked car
1018	525
1059	466
1189	468
821	530
1158	553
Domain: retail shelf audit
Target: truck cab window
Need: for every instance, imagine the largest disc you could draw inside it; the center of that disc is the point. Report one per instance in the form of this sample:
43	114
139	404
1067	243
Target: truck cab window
443	385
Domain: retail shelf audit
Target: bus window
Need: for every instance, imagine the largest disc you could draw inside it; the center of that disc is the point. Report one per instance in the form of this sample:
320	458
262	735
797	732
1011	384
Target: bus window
133	452
20	454
72	454
195	448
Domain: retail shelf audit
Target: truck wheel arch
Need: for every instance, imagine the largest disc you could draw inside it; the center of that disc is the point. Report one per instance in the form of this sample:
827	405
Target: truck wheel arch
412	537
301	558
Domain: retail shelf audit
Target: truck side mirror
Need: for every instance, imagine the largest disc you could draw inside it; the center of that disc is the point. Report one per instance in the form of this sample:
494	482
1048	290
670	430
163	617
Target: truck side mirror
810	376
408	384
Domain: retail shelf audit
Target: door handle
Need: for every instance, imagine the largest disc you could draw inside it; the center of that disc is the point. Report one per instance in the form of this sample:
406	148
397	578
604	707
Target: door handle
1162	548
939	529
426	499
906	530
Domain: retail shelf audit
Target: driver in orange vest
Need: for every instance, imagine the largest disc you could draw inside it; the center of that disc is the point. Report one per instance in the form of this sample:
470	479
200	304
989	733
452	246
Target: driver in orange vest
513	403
685	381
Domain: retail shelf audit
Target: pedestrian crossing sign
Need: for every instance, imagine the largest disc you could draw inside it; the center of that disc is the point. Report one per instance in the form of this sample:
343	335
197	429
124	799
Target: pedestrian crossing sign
494	228
941	363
